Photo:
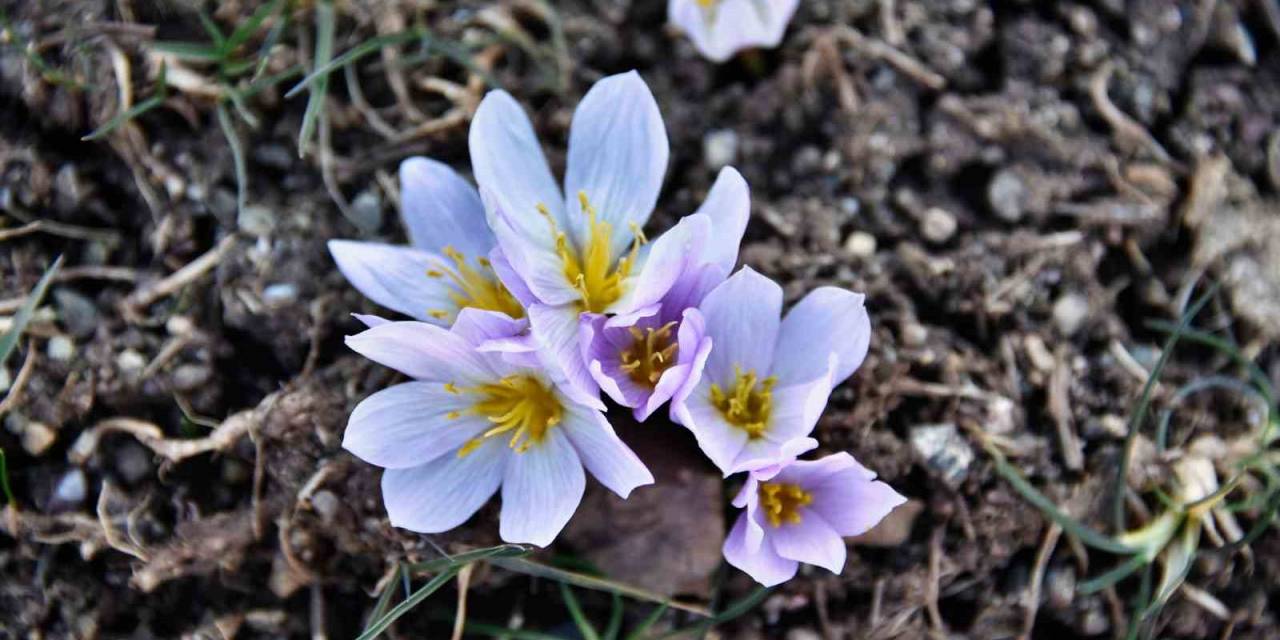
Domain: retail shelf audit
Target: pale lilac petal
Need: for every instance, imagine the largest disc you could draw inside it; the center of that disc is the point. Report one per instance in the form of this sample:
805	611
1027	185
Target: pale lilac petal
617	157
481	326
787	454
763	563
441	209
602	355
668	257
602	452
811	541
719	440
733	25
394	277
423	351
445	492
557	332
742	317
691	356
848	500
511	170
827	321
408	425
728	206
541	490
795	413
532	263
369	320
510	279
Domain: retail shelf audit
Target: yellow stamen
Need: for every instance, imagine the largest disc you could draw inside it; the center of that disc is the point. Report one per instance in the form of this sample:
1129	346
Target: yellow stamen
652	352
475	288
593	270
781	502
748	403
519	405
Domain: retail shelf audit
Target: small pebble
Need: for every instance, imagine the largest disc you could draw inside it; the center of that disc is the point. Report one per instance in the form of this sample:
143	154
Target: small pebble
1060	587
37	437
914	334
720	148
860	244
326	505
132	462
366	211
130	362
60	348
943	450
78	313
1070	311
938	225
69	492
280	294
189	377
256	220
1007	195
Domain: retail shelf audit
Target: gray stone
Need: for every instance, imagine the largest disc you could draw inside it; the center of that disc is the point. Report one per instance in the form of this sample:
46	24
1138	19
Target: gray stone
860	244
1070	311
366	211
943	451
60	348
78	313
1007	195
132	462
280	294
188	377
256	220
720	148
70	491
938	225
326	505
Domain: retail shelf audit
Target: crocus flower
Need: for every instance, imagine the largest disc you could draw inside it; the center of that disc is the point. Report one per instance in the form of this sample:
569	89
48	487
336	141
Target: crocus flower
766	380
453	262
641	359
800	511
473	420
581	251
721	28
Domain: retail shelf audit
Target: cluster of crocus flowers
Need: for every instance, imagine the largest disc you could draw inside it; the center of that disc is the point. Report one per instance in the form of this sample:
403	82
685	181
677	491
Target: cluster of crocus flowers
531	302
721	28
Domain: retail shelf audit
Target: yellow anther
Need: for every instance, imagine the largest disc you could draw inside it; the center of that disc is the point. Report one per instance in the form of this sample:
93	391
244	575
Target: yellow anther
432	273
591	268
452	388
475	288
517	405
453	415
781	502
438	314
748	404
652	351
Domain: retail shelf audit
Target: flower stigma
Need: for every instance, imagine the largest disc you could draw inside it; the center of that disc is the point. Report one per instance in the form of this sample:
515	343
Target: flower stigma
748	403
592	270
475	288
517	404
651	353
781	502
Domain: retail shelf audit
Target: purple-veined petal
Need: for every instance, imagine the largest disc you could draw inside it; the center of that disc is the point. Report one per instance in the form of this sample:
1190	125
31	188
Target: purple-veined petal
408	425
445	492
811	541
827	321
728	206
480	326
602	452
541	490
557	332
511	170
369	320
733	25
423	351
394	277
763	563
532	263
719	440
742	318
441	209
787	453
510	279
667	258
691	356
618	154
849	500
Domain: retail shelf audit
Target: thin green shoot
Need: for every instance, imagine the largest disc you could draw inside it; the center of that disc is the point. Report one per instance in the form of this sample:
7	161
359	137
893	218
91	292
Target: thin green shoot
733	612
488	553
372	45
640	632
1139	415
585	628
379	625
499	631
1255	373
4	481
616	610
1196	386
9	341
237	157
527	567
1114	575
384	598
158	98
320	88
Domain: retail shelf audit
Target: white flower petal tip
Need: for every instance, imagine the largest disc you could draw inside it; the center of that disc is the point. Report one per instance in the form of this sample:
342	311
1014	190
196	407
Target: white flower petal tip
721	28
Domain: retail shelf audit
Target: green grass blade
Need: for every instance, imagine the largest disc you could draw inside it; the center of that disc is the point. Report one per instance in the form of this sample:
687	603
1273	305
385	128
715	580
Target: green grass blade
9	341
487	553
4	480
1040	501
499	631
734	611
321	71
384	598
162	92
378	626
247	28
639	633
571	603
1256	374
1116	574
616	609
215	34
269	43
1196	386
237	157
198	51
527	567
1139	415
320	88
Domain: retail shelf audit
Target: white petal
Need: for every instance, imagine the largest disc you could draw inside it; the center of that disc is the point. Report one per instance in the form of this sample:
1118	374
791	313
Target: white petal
719	440
441	209
618	153
742	318
728	207
394	277
558	334
424	351
541	490
408	425
668	258
811	541
442	494
825	322
604	454
763	563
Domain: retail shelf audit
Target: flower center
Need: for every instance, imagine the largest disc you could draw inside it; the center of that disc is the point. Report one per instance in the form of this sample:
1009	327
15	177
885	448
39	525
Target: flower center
475	288
781	502
748	402
652	351
519	405
593	270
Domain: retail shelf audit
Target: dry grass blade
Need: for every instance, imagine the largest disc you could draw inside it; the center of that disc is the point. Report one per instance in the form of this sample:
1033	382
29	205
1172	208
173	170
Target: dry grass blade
531	568
320	87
